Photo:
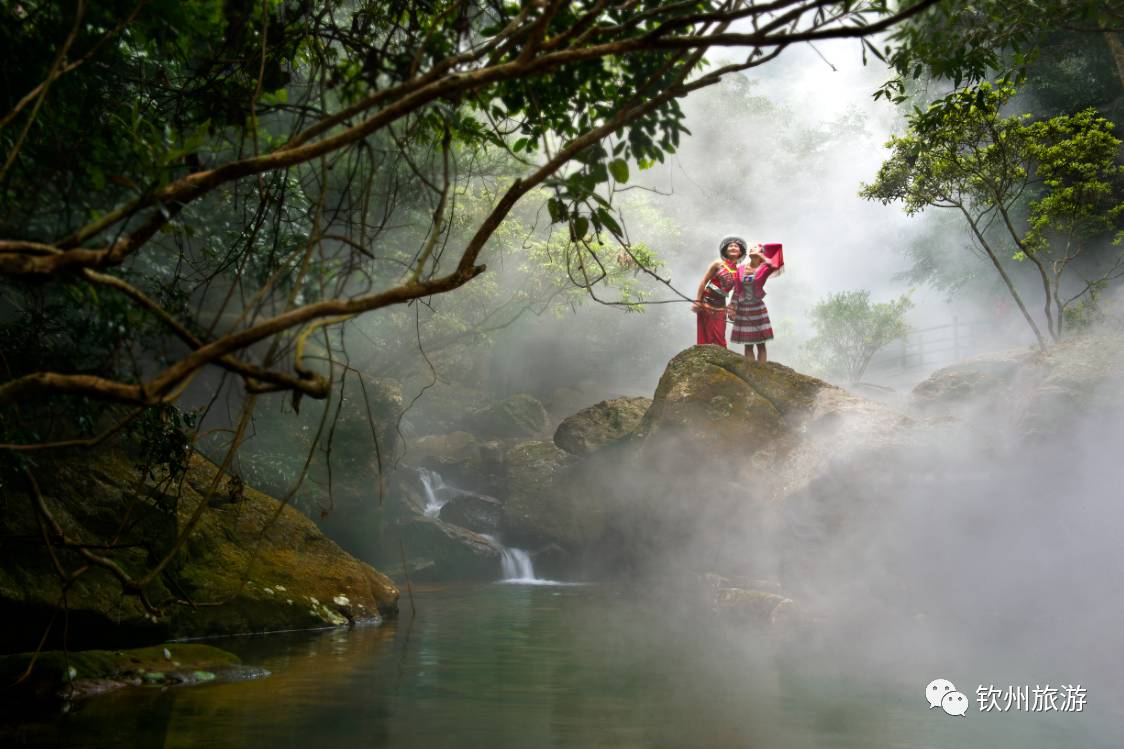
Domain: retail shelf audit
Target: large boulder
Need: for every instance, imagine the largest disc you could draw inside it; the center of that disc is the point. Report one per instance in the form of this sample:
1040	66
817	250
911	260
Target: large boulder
543	503
410	528
448	552
956	390
476	512
707	480
519	416
249	564
460	459
712	402
599	425
1029	395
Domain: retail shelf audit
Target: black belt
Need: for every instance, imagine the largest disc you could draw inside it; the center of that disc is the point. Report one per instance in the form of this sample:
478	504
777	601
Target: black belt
713	299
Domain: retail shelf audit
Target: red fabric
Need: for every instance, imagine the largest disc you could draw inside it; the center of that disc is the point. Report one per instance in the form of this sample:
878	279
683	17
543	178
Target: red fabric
712	327
774	260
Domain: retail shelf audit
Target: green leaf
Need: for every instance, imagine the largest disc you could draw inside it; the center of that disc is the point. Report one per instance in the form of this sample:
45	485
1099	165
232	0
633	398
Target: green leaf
557	210
619	169
609	222
579	227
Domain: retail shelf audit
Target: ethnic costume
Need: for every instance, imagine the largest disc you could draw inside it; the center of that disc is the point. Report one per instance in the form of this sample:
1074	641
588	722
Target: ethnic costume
712	322
751	318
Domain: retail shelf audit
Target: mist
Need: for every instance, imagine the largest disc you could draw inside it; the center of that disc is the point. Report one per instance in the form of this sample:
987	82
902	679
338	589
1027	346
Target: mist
962	548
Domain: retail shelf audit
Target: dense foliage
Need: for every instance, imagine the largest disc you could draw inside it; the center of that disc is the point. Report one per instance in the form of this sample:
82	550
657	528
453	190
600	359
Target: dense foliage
1049	189
198	200
850	330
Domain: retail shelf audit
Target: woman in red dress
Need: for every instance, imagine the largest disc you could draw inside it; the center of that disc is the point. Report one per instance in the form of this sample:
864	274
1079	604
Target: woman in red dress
722	277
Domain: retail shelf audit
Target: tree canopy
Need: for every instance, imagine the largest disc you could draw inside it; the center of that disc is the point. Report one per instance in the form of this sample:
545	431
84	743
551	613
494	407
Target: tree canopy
1061	174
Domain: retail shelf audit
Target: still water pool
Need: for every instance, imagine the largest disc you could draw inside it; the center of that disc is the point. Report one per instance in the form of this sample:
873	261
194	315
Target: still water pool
501	665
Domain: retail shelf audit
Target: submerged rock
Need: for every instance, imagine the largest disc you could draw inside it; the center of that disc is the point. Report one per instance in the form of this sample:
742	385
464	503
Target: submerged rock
56	676
602	424
753	606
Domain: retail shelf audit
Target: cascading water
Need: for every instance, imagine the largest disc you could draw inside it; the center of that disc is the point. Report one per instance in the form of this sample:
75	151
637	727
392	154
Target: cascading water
515	564
432	485
517	567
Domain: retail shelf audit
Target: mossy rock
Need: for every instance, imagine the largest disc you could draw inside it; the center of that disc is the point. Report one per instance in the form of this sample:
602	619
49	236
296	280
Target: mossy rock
519	416
545	501
460	459
55	675
476	512
602	424
249	564
712	402
978	380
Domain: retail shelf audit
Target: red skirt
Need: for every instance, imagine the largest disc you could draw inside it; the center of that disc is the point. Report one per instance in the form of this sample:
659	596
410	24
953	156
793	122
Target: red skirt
751	321
712	327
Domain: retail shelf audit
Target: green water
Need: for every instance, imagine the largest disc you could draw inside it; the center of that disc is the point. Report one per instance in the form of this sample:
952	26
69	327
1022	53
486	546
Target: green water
548	666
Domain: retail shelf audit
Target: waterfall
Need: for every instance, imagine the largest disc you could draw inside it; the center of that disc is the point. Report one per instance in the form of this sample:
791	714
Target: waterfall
515	564
517	567
435	498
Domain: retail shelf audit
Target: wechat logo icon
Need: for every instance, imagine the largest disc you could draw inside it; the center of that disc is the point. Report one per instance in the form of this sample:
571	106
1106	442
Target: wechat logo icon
942	693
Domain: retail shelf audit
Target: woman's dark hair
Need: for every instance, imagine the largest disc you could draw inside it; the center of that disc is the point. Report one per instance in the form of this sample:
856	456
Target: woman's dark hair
726	241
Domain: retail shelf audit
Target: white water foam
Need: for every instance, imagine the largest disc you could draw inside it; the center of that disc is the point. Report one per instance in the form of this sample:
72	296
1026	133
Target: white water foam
432	484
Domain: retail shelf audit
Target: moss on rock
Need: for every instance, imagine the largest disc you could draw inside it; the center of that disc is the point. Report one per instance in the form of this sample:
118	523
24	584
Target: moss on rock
250	564
519	416
58	675
602	424
543	504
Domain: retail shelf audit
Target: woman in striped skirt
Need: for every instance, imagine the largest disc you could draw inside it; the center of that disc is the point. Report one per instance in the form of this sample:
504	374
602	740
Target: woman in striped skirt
751	317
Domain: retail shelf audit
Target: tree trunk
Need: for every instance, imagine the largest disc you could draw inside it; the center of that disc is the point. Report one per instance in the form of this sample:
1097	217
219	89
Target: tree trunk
1006	279
1116	48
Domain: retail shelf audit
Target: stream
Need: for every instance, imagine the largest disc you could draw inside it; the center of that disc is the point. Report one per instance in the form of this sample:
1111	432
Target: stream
517	665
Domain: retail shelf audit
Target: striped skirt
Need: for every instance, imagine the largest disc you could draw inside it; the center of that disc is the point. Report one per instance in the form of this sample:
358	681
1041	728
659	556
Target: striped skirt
751	321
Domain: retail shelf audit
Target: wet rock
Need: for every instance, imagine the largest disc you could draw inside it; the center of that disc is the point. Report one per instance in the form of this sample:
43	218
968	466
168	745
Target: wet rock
519	416
460	459
476	512
55	676
545	503
752	606
455	456
443	551
602	424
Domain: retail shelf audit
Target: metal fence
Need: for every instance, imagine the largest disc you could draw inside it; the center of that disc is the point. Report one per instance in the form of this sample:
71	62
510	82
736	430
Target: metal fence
928	348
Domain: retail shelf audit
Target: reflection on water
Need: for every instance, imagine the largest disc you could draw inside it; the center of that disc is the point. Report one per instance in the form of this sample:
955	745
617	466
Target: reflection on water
537	666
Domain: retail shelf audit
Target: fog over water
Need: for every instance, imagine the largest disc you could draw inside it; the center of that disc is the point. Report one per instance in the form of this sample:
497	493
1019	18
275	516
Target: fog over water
968	554
959	549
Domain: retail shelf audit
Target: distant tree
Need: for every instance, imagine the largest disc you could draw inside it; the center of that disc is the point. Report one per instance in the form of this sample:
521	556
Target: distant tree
964	155
850	331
